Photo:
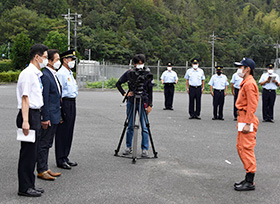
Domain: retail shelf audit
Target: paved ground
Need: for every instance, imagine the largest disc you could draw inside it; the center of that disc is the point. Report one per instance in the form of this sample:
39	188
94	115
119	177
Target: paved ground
191	167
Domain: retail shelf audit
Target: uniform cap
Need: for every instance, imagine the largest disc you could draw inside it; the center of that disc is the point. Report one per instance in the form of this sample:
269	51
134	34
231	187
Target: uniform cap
195	61
69	53
246	62
270	66
169	64
219	67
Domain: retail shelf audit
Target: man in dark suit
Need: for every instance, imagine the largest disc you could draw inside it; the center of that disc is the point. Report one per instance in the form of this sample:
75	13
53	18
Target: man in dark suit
50	115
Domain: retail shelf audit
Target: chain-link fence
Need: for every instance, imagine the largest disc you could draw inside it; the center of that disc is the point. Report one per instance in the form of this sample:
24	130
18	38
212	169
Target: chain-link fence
92	71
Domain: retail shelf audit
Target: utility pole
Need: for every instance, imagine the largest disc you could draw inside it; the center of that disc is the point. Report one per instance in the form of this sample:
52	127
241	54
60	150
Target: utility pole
213	38
276	46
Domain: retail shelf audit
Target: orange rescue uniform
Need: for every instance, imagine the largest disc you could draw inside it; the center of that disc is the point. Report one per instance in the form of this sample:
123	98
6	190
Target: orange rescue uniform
247	103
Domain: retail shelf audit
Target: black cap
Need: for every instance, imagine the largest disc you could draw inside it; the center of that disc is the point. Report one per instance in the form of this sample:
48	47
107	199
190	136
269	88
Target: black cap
219	67
169	64
195	61
246	62
270	66
69	53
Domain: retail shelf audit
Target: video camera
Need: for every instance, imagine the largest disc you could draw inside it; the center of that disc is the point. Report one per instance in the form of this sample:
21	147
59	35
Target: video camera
137	78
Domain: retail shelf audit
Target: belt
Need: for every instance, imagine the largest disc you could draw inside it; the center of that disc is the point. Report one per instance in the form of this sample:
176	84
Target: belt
36	110
219	90
195	86
69	99
269	90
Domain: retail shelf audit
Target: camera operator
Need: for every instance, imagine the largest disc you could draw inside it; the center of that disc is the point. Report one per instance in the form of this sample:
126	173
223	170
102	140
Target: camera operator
140	83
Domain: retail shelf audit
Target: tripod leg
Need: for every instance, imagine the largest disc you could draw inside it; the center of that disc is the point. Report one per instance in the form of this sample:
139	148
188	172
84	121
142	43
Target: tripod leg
150	134
124	130
135	132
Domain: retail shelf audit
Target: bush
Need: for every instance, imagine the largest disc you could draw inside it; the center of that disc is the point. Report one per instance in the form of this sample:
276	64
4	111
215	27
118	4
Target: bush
6	65
9	76
111	83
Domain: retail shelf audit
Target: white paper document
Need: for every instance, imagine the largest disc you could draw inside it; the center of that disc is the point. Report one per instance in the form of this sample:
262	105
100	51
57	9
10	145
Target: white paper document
241	126
29	138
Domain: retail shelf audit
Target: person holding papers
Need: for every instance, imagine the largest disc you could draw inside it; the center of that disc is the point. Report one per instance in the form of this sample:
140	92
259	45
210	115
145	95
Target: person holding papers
247	103
30	101
269	81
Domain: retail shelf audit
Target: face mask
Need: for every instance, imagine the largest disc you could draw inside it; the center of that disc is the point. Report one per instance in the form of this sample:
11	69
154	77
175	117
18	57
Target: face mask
44	63
169	68
195	66
219	73
71	64
140	66
57	65
240	73
270	71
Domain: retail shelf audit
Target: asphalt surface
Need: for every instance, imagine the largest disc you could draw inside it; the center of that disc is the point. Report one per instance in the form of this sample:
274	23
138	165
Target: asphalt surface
198	161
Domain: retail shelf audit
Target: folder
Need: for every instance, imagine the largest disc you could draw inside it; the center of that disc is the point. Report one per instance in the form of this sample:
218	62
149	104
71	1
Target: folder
28	138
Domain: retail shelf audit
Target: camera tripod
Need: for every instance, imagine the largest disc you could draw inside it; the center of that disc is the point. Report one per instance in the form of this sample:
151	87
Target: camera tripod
132	115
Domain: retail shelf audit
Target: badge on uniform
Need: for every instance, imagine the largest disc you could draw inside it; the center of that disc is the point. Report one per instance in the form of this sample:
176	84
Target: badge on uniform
68	79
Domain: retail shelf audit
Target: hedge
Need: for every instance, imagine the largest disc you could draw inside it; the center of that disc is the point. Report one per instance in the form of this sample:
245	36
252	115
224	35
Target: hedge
6	65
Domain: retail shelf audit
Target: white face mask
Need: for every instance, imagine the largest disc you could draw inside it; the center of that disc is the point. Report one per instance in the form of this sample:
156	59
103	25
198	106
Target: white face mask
195	66
44	63
57	65
140	66
169	68
240	73
71	64
270	71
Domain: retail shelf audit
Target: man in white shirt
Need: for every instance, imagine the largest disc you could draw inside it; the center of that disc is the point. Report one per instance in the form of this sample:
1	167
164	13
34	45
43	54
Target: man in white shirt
169	78
235	86
30	101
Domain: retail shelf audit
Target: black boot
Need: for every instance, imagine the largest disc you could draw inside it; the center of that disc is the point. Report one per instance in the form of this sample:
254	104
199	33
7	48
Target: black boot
247	184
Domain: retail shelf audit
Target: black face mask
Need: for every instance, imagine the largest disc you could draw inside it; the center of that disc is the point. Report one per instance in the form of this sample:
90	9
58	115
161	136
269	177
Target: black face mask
219	73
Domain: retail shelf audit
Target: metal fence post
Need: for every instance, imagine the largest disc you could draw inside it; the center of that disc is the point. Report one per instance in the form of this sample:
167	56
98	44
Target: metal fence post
158	75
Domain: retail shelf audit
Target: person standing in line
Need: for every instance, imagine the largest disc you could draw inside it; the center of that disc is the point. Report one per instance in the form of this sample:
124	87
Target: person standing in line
30	101
169	78
270	82
65	130
50	115
195	86
247	122
235	86
218	87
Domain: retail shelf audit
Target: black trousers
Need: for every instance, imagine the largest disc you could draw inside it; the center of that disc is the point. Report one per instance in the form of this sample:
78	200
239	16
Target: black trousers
236	91
194	98
218	102
268	99
64	132
44	144
169	95
28	151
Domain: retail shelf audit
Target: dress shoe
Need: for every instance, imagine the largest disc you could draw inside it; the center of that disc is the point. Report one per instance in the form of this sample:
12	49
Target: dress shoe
197	117
54	174
30	193
165	109
64	165
271	121
39	189
245	186
45	176
72	163
235	119
191	117
221	119
214	118
171	109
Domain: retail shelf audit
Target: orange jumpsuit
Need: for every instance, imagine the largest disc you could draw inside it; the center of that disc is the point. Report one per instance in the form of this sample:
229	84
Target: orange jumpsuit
247	103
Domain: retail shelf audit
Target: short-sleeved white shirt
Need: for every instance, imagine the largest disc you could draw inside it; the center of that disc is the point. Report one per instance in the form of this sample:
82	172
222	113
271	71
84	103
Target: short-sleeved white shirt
236	80
218	82
270	85
29	84
169	76
195	77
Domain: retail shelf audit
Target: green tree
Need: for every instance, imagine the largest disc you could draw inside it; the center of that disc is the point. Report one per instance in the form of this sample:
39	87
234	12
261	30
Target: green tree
20	51
56	40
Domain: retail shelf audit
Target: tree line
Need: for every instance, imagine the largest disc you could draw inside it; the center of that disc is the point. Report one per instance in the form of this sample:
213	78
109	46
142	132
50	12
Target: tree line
166	30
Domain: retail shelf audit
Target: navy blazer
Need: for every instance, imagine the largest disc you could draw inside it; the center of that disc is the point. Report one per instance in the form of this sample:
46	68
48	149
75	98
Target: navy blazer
52	98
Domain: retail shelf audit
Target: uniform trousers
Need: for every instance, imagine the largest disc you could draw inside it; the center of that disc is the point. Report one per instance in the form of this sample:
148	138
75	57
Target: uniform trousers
236	91
246	143
44	144
194	98
268	99
169	95
218	102
64	131
28	151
